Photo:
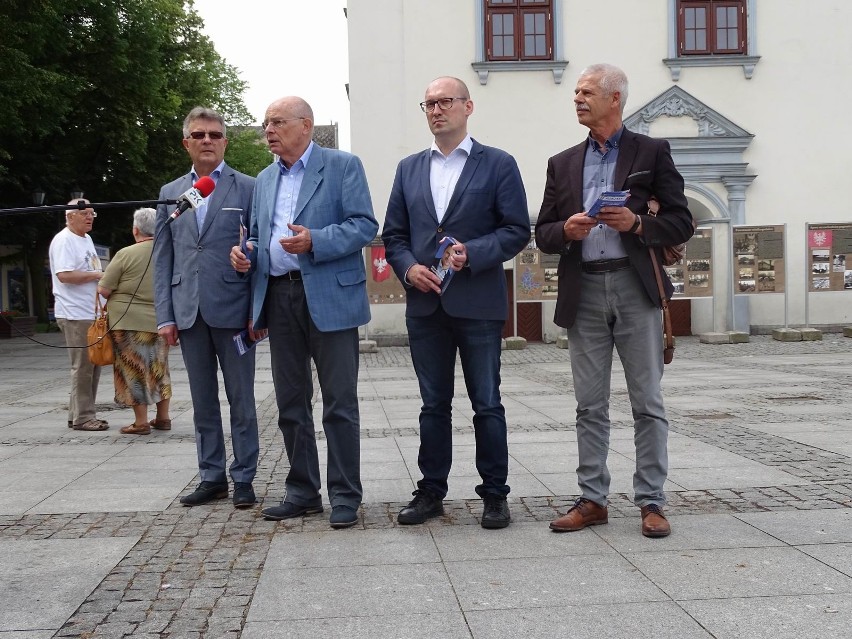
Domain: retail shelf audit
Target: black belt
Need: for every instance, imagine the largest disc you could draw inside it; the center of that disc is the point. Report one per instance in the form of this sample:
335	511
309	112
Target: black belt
606	266
289	275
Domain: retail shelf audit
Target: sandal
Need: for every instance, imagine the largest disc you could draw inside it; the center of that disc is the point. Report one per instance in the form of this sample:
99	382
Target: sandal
92	424
161	424
137	429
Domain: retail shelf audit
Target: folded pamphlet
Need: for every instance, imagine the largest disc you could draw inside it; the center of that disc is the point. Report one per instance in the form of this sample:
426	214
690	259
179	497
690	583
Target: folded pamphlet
609	198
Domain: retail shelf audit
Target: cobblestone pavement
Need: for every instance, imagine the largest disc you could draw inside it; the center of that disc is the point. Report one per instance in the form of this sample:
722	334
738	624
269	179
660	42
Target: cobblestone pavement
194	571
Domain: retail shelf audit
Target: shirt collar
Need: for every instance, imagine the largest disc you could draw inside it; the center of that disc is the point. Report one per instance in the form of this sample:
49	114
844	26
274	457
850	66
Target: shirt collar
465	145
214	174
612	142
304	160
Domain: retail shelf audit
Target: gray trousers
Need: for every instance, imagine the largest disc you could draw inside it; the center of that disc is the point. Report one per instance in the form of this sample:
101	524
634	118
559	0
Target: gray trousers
84	375
614	310
203	347
293	341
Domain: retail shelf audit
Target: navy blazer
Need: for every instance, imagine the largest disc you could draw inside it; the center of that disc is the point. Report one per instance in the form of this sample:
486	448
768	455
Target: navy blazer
192	270
645	168
487	213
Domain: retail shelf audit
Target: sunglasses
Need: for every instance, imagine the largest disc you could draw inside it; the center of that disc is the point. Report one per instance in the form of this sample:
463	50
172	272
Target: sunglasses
214	135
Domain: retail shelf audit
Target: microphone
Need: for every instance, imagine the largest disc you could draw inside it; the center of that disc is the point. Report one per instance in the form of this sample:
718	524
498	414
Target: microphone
193	198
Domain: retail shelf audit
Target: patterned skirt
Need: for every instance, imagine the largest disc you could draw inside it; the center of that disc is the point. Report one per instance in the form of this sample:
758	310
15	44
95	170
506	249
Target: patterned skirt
141	368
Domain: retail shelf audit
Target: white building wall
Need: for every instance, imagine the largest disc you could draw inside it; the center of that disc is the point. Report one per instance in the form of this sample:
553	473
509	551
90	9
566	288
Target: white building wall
794	105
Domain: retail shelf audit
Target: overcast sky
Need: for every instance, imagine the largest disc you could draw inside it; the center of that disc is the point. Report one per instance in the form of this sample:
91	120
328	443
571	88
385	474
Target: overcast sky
285	47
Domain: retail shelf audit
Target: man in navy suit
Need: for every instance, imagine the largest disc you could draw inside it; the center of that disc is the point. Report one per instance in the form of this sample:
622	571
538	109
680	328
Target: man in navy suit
608	294
474	194
311	218
199	298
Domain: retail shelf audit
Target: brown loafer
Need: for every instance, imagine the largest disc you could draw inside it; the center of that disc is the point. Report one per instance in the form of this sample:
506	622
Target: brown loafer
654	523
583	513
161	424
137	429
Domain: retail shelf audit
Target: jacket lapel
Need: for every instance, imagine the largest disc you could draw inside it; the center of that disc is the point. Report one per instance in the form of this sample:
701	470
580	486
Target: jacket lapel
626	154
310	181
464	179
217	198
425	182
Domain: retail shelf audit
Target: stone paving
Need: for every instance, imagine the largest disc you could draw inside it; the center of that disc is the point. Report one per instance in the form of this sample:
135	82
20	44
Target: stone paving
93	542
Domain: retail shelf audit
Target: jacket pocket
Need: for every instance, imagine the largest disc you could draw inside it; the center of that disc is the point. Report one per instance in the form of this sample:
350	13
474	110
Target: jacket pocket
351	277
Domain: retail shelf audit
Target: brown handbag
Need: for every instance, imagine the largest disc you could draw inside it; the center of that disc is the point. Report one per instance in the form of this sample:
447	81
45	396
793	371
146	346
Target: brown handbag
671	255
668	338
99	339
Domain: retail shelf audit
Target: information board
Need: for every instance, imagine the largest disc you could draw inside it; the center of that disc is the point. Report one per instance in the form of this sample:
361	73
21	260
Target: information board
535	274
829	255
693	275
758	259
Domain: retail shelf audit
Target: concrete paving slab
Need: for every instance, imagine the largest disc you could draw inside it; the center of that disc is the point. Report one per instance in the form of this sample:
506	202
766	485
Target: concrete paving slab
738	572
774	617
689	532
521	484
45	581
409	545
410	626
521	540
352	591
545	582
746	475
106	499
799	527
838	556
382	490
615	621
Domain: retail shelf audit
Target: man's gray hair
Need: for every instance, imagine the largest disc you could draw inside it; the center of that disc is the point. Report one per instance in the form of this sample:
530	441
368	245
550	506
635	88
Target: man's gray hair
611	79
69	212
144	220
203	113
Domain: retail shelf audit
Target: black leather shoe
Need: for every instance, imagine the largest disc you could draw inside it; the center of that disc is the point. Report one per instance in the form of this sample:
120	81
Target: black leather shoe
289	510
424	506
343	517
207	491
244	495
495	513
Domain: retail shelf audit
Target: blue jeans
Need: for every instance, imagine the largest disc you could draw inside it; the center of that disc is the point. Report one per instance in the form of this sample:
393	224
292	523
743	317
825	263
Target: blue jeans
434	341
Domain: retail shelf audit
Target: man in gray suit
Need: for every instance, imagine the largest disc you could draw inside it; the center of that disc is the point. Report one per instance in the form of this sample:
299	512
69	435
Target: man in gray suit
202	300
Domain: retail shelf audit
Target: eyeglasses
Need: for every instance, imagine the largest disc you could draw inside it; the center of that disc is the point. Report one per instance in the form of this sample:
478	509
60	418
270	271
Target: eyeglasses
277	124
444	103
87	213
214	135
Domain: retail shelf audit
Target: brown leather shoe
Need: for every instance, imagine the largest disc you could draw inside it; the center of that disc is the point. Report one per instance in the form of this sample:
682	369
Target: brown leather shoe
654	523
137	429
583	513
161	424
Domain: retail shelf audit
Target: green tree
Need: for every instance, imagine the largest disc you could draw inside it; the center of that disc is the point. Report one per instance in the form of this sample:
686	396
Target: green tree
97	92
247	150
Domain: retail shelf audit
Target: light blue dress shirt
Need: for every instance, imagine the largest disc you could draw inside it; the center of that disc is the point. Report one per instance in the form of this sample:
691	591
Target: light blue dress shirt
287	195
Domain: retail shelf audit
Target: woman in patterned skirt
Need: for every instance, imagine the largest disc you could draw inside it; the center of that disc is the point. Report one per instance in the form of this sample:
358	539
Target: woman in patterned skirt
141	368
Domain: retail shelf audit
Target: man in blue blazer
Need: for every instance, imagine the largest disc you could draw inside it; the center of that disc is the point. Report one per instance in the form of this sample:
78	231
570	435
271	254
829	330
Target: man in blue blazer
311	218
199	298
474	194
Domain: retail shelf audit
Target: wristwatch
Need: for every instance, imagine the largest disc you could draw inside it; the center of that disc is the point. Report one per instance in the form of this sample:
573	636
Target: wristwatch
636	223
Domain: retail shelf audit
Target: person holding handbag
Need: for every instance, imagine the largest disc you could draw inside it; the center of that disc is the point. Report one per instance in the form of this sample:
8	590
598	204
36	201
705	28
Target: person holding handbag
608	293
75	270
141	367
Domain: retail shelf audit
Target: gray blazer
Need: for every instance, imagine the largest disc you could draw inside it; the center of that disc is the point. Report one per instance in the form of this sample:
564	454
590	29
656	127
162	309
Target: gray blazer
192	270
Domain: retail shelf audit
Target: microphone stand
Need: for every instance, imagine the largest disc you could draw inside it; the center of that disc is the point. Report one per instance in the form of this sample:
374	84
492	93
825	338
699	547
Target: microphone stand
82	206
